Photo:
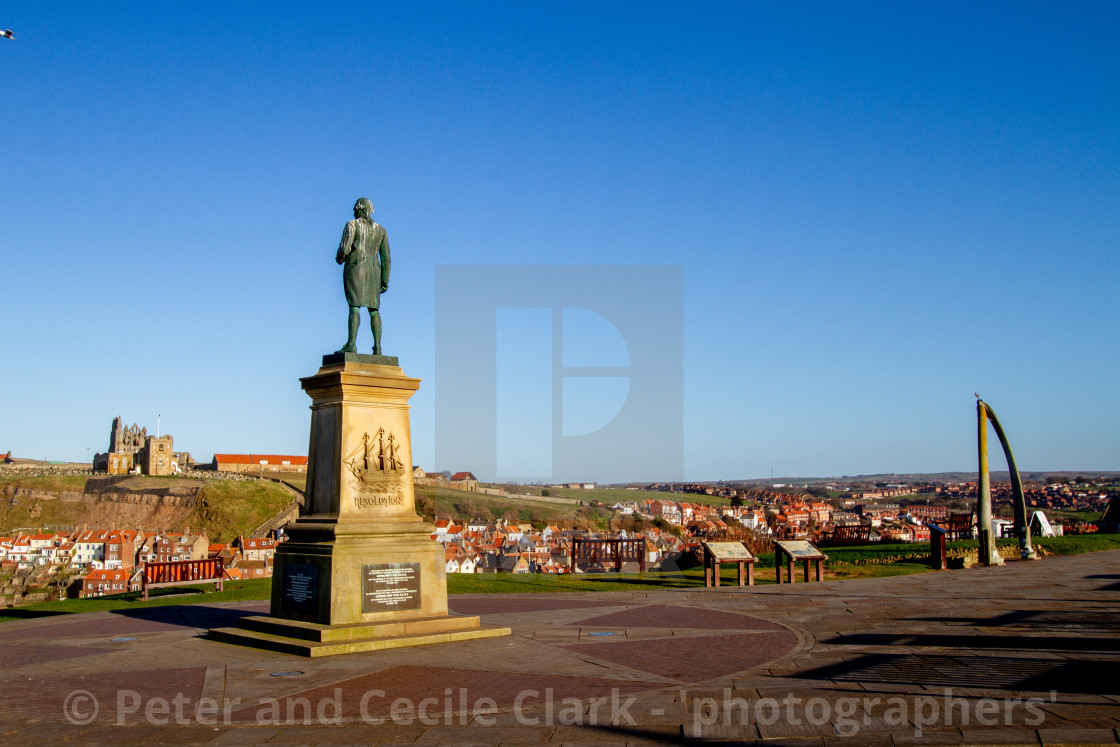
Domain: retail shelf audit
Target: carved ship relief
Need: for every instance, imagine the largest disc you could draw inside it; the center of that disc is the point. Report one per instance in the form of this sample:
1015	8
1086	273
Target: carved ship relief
378	473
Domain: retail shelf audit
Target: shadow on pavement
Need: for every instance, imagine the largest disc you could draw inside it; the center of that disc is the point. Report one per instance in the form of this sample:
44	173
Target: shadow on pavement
189	615
15	613
970	642
1036	620
1009	673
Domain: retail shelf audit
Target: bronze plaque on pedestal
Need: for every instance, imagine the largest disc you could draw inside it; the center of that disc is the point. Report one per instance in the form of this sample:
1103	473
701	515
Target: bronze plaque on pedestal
299	591
389	587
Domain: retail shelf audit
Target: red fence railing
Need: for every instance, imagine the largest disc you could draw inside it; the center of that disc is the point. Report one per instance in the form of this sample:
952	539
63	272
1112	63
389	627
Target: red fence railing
183	572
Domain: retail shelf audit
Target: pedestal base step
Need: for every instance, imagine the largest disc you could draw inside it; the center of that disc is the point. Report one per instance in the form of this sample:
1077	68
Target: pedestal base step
311	639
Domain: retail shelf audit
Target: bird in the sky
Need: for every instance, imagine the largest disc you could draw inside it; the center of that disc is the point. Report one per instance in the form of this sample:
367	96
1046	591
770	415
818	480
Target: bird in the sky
7	34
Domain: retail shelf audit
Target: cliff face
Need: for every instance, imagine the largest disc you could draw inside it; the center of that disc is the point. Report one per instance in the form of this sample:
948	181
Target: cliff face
137	502
137	491
105	502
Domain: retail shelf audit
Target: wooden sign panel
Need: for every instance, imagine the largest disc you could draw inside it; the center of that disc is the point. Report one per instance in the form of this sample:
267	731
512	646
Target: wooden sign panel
801	550
729	551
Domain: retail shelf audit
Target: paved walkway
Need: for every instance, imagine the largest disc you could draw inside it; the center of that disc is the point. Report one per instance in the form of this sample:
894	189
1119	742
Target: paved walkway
1024	654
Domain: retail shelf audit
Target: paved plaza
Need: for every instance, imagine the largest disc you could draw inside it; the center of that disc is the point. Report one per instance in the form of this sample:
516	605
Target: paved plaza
1023	654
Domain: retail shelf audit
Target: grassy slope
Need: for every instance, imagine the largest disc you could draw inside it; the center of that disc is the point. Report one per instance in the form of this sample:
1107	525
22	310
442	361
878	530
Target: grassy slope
296	480
844	563
238	507
463	506
26	513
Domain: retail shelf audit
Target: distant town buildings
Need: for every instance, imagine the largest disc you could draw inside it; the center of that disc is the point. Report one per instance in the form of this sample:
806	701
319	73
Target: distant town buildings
258	463
101	561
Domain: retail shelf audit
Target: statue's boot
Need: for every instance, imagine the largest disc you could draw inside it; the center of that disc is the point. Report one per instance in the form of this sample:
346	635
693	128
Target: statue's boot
352	332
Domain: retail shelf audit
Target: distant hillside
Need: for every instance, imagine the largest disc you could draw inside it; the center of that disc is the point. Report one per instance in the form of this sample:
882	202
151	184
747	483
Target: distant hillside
224	508
439	502
934	477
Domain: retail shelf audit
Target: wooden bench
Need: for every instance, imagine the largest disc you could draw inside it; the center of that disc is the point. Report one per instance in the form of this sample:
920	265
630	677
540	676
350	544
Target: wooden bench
957	526
849	534
183	573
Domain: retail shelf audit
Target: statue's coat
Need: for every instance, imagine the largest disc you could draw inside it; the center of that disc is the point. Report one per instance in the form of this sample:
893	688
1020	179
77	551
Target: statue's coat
365	250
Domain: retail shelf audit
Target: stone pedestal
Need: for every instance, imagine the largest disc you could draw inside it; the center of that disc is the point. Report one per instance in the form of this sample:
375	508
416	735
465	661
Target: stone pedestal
359	570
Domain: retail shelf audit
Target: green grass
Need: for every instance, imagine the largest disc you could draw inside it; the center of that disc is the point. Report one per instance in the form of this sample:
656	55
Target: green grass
879	570
297	480
1078	543
881	553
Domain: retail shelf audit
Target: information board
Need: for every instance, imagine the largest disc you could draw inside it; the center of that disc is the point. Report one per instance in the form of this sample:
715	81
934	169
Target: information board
729	551
801	550
390	587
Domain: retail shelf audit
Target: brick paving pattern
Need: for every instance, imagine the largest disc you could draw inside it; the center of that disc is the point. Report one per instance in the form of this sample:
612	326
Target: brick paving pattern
452	692
41	699
21	655
667	616
692	659
496	604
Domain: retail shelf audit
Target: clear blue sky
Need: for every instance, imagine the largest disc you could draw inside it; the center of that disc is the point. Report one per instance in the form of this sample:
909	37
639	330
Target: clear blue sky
879	209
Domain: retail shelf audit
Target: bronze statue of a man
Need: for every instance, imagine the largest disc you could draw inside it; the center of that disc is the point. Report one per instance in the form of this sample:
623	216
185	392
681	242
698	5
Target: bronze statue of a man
365	252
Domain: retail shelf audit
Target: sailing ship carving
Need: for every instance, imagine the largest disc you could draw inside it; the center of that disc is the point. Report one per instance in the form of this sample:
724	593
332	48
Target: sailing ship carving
378	469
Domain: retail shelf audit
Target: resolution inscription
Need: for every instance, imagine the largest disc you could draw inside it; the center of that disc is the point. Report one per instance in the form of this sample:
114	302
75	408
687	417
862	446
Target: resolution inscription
369	501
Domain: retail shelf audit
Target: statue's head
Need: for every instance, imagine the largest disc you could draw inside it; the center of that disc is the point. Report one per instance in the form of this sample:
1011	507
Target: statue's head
363	208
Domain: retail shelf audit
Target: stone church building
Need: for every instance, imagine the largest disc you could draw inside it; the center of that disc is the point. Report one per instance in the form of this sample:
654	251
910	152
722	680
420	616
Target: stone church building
132	450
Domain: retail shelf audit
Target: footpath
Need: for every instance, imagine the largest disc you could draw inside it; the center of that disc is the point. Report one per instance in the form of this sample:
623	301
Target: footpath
1024	654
